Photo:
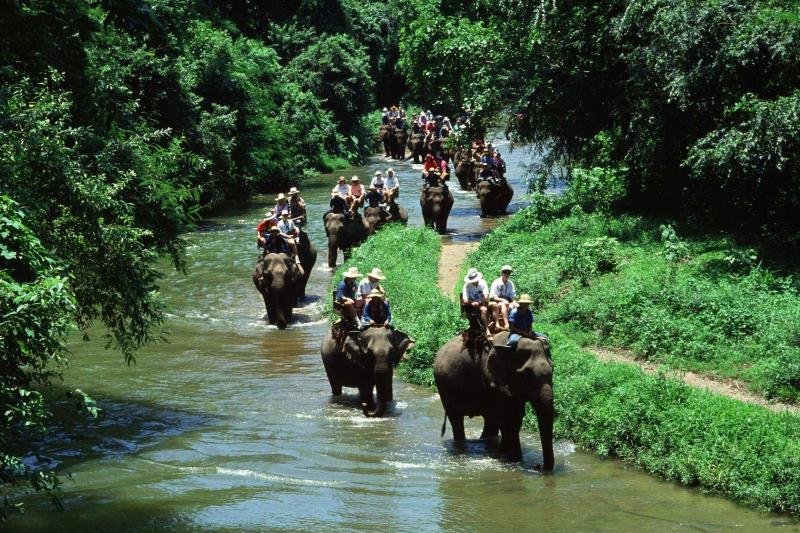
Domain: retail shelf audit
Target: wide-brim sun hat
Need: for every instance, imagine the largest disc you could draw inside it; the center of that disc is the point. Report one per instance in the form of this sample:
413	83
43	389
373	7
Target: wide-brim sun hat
376	273
280	197
378	173
293	190
506	268
525	299
351	272
473	276
341	178
390	170
375	293
355	178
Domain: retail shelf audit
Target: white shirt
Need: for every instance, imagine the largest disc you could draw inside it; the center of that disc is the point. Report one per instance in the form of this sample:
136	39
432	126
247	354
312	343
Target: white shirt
366	286
474	292
342	189
503	290
287	227
391	182
377	182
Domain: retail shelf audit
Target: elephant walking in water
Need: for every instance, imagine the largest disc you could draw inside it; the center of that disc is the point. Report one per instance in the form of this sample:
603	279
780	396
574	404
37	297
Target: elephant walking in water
277	277
366	361
493	381
343	233
494	195
436	203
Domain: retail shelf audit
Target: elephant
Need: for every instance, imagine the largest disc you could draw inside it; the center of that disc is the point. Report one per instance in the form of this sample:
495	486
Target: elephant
399	213
494	196
385	136
416	144
277	277
465	172
343	233
436	203
308	257
365	360
375	217
398	144
493	381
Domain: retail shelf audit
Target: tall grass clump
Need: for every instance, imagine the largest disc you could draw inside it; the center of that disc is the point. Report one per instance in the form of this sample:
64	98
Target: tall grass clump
409	259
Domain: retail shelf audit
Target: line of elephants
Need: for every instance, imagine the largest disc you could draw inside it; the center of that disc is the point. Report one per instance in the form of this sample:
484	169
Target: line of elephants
473	379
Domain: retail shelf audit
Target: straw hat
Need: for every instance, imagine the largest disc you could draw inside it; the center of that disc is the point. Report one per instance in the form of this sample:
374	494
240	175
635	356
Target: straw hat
375	293
280	197
376	273
378	173
293	190
391	170
525	299
506	268
473	276
342	178
354	178
352	272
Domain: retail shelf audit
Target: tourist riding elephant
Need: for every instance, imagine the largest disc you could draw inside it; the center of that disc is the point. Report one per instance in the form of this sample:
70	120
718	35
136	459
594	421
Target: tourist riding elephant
465	172
436	203
416	144
374	217
276	277
365	360
308	257
385	135
493	381
398	144
494	196
343	233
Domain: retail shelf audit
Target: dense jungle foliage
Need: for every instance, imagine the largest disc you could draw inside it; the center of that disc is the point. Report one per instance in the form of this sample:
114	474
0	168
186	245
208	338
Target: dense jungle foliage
689	108
120	122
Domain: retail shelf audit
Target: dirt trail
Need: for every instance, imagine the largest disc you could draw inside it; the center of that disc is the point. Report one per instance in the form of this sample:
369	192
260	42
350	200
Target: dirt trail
450	263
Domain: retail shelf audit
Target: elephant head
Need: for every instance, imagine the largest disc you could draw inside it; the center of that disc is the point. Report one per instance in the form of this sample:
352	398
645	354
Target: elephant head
436	203
377	351
276	277
526	373
399	144
374	217
465	172
343	233
493	196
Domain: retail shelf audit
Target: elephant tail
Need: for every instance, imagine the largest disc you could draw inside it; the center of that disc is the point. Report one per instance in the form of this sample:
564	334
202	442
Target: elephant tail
444	425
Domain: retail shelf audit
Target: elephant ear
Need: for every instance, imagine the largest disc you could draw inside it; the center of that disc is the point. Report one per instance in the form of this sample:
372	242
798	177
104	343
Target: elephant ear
497	369
403	344
355	350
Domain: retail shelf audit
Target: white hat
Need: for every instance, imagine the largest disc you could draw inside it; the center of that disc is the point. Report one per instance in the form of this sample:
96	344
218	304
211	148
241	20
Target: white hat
341	178
506	268
280	197
354	178
376	273
293	190
473	276
285	212
390	170
378	172
375	293
351	272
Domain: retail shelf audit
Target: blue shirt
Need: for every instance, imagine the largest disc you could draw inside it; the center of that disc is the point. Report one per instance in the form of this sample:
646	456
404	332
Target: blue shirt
345	291
521	320
366	318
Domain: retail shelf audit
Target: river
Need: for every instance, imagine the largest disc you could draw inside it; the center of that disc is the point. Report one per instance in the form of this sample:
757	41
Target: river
231	426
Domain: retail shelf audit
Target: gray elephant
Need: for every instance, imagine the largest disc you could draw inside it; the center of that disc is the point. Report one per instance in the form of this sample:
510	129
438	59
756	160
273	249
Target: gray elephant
436	203
398	212
343	233
385	136
416	145
366	361
465	172
375	217
494	195
276	277
492	381
398	143
308	257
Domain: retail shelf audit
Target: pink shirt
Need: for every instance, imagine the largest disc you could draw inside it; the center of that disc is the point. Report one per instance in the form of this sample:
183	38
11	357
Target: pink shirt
356	189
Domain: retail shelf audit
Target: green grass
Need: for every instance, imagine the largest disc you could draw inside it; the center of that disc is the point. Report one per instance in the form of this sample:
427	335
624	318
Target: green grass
331	163
653	422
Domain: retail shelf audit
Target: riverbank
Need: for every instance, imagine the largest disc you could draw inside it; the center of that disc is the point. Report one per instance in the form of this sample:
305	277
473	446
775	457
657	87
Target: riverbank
651	421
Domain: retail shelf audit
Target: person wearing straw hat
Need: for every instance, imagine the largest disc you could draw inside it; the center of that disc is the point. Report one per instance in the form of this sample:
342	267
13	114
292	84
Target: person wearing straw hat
501	297
377	181
371	282
346	295
376	312
355	194
281	203
297	208
262	229
341	189
289	232
275	243
474	296
520	322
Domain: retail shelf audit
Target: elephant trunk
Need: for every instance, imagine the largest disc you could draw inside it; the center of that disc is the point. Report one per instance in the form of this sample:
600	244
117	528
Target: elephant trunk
544	416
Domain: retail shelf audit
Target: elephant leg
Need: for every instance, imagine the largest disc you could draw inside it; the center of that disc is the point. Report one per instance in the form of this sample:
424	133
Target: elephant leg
457	423
509	441
336	388
490	428
544	417
332	251
367	400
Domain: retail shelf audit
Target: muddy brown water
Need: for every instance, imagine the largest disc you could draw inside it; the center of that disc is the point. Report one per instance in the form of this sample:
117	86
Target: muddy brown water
231	426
